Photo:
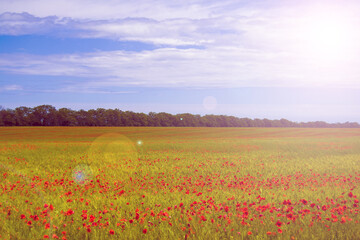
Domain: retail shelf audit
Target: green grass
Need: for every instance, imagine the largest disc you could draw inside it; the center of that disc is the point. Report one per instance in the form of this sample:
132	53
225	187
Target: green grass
230	182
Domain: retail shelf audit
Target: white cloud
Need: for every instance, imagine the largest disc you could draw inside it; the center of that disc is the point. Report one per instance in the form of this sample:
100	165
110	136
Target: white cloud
172	32
13	87
239	44
171	67
115	9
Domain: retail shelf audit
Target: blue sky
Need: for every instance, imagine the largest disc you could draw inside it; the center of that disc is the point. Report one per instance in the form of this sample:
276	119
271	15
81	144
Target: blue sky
259	59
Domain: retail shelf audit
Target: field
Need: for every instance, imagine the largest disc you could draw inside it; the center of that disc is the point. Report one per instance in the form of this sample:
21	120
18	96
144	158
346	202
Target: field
179	183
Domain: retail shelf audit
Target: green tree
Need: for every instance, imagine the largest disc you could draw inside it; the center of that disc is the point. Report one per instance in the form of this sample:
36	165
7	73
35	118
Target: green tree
66	117
44	115
24	116
7	117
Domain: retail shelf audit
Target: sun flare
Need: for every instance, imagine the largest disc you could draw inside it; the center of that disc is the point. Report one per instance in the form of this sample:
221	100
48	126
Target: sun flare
328	35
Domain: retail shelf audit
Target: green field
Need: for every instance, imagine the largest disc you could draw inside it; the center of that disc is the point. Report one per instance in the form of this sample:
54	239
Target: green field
179	183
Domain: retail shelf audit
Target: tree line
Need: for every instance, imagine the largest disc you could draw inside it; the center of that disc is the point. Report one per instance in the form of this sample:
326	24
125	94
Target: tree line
47	115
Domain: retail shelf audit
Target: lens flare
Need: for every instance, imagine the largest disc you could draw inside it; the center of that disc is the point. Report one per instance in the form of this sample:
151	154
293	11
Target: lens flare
112	146
113	149
82	174
210	103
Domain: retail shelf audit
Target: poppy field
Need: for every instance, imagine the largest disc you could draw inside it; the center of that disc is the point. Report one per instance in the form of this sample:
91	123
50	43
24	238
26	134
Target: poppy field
179	183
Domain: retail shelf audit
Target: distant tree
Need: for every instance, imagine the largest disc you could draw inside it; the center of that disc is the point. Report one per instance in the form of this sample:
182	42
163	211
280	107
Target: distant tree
47	115
350	125
180	120
127	118
66	117
90	117
208	121
267	122
320	124
258	123
44	115
7	117
165	119
113	117
24	116
81	117
153	120
286	123
275	123
241	122
99	117
143	119
249	122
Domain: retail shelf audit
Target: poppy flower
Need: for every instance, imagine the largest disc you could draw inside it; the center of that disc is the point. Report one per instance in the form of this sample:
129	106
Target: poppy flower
69	212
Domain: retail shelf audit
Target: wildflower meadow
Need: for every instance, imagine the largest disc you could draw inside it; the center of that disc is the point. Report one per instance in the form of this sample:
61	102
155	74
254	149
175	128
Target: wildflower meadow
179	183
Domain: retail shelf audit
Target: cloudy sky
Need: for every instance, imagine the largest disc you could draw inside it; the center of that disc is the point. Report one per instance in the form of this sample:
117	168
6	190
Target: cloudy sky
249	58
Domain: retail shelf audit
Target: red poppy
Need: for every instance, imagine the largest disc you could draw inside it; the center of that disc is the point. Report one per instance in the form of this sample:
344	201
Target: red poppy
278	223
145	231
112	232
69	212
